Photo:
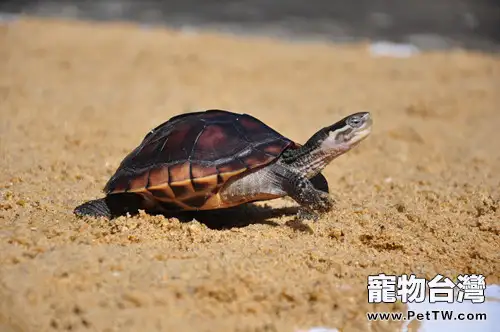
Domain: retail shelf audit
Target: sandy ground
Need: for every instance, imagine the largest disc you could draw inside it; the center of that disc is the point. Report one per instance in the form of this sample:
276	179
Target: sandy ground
420	195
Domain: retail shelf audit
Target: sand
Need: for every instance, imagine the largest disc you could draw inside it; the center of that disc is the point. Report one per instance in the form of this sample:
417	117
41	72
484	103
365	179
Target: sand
420	195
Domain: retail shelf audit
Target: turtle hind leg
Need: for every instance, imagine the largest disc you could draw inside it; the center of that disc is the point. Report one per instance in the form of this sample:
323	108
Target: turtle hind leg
111	206
95	208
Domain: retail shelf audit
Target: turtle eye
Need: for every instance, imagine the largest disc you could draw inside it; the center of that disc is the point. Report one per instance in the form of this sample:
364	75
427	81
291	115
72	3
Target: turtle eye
354	121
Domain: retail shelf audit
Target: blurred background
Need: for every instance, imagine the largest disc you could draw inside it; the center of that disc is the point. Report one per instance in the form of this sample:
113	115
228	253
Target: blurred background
427	24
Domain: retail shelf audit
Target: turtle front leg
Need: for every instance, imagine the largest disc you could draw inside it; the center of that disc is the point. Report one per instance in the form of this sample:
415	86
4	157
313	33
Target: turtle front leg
312	198
312	201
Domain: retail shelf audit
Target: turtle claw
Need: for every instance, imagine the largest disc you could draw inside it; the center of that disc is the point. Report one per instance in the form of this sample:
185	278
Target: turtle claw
304	214
325	204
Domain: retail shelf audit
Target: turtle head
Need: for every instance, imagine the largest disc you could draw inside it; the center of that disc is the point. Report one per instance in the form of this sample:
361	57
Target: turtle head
343	135
329	143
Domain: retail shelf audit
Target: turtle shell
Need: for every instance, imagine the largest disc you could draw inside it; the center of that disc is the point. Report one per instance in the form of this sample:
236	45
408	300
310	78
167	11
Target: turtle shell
183	163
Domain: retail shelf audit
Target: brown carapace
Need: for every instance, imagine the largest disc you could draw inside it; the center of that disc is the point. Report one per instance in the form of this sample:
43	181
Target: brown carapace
183	163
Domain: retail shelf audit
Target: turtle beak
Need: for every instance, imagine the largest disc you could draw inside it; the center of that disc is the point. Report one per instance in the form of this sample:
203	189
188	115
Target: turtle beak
365	129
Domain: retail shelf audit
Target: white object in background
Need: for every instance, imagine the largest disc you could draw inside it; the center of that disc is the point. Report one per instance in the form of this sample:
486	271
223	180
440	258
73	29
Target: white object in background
6	17
395	50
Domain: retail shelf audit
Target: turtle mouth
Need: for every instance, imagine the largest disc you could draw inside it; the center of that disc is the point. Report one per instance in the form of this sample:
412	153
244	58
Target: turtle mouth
361	133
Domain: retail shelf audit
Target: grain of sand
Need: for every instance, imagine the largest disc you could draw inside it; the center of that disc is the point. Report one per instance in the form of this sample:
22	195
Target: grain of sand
420	195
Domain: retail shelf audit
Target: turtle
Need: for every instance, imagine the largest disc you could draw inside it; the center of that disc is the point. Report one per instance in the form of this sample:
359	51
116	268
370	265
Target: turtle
216	159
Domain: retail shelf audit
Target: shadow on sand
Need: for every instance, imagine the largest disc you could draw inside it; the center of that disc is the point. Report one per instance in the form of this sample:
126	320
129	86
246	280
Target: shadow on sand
241	216
235	217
